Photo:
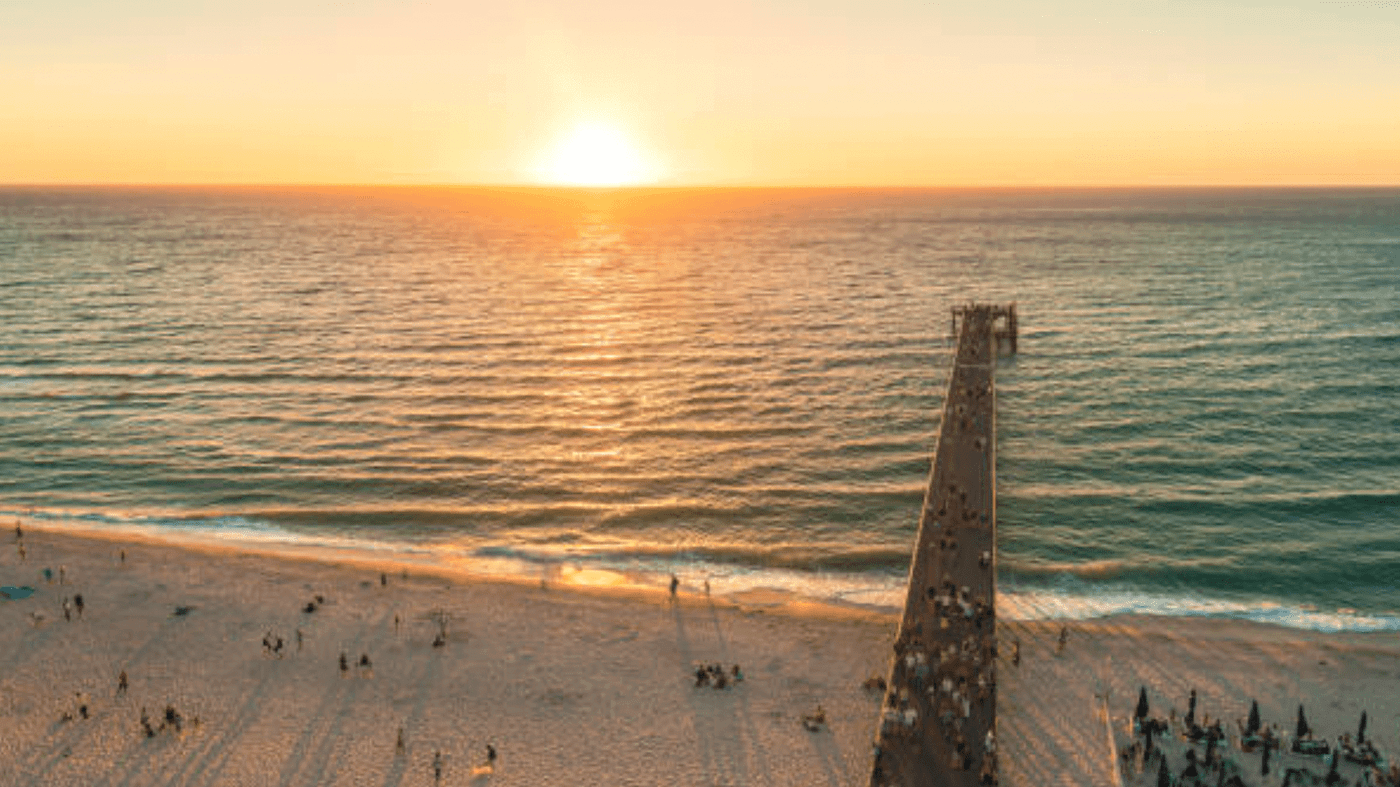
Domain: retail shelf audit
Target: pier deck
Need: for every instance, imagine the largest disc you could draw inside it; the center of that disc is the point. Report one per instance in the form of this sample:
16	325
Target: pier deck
938	720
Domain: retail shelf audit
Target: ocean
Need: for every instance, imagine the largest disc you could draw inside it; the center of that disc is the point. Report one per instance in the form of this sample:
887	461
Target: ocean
735	385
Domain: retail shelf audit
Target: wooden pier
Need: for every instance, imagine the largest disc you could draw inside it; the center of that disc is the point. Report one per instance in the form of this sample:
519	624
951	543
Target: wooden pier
938	721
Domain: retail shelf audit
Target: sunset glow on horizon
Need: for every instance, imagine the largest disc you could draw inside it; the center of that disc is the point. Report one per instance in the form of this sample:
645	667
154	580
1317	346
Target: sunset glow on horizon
595	154
780	93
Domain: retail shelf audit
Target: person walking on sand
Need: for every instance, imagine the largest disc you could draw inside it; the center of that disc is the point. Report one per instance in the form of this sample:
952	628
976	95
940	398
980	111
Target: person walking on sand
1064	637
22	553
19	531
490	756
121	682
344	665
67	609
78	603
675	583
437	767
298	640
399	746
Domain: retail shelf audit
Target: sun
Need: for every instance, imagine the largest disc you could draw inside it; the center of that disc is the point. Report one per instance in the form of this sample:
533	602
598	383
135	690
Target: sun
595	154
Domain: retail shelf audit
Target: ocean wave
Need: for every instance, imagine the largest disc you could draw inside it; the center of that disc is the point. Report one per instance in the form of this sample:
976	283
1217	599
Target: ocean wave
870	577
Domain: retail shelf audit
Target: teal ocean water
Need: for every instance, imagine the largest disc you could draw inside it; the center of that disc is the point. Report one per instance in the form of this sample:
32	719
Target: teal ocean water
739	385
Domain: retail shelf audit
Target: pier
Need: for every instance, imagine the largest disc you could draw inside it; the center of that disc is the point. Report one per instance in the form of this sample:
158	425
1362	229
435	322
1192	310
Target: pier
938	720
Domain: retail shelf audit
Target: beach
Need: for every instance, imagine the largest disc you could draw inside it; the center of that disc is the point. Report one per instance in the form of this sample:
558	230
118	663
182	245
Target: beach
571	680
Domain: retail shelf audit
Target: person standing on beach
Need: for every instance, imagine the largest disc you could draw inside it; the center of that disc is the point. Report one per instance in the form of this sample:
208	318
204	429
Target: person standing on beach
399	746
19	531
21	552
437	767
121	682
675	583
1064	637
78	604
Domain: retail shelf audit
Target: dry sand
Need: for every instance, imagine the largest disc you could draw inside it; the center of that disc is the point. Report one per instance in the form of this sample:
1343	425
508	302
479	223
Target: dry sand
573	685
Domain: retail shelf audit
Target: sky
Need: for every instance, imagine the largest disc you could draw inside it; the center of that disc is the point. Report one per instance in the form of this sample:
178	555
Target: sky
721	92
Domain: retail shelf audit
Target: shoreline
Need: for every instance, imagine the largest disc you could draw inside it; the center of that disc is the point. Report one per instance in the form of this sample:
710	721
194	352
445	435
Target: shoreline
845	593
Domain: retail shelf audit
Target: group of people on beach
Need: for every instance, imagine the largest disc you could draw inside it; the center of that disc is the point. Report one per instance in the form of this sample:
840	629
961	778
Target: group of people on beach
714	675
1219	767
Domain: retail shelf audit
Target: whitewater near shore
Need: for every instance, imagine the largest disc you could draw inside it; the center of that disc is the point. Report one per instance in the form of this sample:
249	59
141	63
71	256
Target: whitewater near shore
571	682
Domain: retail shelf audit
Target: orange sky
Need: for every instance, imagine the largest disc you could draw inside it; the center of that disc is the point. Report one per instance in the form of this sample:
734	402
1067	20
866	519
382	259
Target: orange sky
883	92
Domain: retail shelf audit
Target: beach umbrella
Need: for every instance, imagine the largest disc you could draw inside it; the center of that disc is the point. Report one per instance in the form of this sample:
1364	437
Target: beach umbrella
1253	725
1303	730
1141	712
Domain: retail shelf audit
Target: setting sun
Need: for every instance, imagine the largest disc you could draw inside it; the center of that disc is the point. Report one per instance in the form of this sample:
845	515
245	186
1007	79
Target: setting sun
595	154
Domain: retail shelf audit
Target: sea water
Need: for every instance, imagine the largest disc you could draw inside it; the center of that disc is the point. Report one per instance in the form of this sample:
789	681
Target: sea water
739	386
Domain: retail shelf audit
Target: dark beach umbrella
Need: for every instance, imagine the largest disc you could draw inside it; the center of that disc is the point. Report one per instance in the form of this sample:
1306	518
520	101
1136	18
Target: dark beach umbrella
1303	730
1141	712
1253	725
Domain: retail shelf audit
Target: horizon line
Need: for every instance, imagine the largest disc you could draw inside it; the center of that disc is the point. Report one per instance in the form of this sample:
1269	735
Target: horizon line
684	187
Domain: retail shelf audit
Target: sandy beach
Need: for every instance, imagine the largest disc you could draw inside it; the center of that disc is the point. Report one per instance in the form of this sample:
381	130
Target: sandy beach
572	683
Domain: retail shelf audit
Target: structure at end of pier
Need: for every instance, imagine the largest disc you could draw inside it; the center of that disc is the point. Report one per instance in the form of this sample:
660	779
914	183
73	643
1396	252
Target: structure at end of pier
938	719
1003	324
